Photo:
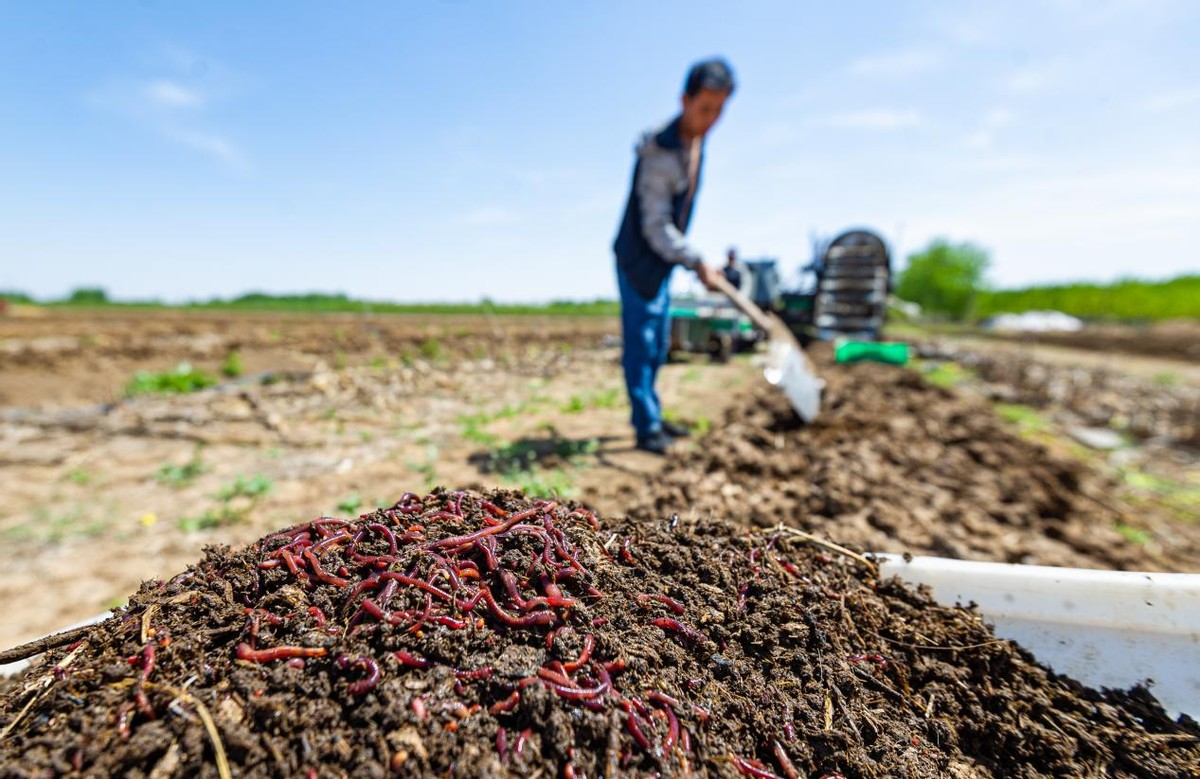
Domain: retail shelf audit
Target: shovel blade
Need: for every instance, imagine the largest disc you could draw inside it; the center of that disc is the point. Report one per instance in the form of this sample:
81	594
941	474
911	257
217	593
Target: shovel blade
789	371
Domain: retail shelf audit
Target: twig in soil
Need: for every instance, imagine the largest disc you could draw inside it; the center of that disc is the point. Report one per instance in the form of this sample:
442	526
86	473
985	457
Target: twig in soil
791	531
933	647
45	644
45	683
209	725
148	615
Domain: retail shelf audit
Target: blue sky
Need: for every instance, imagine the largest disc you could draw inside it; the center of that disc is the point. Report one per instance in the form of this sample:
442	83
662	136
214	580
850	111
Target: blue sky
455	150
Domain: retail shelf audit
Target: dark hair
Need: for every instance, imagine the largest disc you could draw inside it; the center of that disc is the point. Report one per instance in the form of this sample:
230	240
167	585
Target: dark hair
714	74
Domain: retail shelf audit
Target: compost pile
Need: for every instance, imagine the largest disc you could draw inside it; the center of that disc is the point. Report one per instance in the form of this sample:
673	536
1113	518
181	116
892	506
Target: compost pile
894	464
465	634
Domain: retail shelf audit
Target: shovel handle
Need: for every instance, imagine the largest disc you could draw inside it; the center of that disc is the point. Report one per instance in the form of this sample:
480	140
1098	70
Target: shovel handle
743	303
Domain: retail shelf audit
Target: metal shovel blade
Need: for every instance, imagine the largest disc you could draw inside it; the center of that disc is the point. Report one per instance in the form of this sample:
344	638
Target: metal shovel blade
787	366
788	370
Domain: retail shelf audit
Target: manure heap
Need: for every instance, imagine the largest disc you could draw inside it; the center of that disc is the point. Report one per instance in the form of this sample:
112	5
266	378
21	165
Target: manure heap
489	635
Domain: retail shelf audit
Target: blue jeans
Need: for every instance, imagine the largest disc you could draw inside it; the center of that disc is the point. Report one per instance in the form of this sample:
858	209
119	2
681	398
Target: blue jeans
645	332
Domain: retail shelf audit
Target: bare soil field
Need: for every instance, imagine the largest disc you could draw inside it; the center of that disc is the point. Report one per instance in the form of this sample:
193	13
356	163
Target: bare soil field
105	492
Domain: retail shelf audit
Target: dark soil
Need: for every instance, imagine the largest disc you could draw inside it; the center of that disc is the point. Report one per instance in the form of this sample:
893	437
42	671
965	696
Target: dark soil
894	464
531	640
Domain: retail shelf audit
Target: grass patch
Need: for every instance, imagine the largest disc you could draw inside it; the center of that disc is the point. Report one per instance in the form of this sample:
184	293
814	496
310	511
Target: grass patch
1028	421
80	476
242	487
213	518
231	366
945	374
179	476
182	380
350	504
603	399
1134	534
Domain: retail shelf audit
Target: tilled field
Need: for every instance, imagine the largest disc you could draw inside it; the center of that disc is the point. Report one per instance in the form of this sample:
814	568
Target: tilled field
469	635
683	630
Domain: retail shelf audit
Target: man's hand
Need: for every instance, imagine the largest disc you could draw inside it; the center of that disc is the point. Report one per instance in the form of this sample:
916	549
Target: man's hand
706	274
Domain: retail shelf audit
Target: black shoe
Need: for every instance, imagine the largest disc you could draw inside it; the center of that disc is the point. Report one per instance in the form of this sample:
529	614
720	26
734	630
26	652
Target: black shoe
655	443
676	431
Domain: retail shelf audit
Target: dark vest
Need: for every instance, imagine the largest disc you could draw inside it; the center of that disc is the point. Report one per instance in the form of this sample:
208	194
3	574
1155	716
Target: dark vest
644	268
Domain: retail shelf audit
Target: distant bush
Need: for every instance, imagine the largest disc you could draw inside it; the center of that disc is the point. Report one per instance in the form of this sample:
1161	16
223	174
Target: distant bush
1129	299
88	296
944	279
12	296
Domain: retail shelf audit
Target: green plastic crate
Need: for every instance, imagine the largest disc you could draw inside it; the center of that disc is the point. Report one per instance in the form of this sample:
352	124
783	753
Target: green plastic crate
871	351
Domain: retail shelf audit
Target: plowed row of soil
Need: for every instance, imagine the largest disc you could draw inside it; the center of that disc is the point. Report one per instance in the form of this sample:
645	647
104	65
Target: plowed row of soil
468	635
894	464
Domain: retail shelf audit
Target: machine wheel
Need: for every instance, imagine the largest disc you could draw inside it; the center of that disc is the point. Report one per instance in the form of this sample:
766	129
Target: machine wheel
720	347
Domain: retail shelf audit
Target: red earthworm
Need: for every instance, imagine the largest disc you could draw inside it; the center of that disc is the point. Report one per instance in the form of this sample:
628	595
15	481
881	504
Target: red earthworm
785	763
666	623
551	676
519	747
615	666
662	697
487	531
407	658
789	732
508	704
418	707
291	564
471	602
599	622
450	622
625	554
489	554
267	565
674	605
789	567
501	743
685	740
550	634
387	534
319	525
321	573
478	673
752	768
414	582
296	662
369	583
244	652
532	618
365	664
326	543
701	714
878	659
589	643
634	729
423	616
492	508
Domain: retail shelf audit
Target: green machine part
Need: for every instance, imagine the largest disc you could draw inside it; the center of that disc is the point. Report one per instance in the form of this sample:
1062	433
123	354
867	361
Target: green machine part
871	351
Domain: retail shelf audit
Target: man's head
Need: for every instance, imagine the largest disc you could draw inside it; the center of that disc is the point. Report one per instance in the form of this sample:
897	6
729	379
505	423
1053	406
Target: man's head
731	256
709	84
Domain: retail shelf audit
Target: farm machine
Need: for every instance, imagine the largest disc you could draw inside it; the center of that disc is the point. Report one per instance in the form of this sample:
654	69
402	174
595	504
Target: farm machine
842	293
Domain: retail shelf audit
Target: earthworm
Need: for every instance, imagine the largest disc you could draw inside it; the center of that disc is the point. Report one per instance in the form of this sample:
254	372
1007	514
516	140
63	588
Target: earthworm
634	729
501	742
674	605
244	652
470	538
406	658
752	768
519	747
625	554
478	673
667	623
418	707
365	664
532	618
333	540
878	659
492	508
785	763
589	643
321	573
508	704
418	583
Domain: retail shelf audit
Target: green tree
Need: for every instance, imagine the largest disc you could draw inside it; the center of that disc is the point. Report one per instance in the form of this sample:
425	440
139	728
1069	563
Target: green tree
88	296
944	278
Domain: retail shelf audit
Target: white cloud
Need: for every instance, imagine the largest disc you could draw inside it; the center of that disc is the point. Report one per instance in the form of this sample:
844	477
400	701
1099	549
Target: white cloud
876	119
896	65
171	94
171	107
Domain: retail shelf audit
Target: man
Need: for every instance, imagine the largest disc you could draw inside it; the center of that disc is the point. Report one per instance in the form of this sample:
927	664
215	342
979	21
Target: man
650	243
731	272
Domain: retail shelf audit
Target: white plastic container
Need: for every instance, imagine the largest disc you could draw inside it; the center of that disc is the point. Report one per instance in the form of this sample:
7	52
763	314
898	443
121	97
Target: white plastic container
1111	629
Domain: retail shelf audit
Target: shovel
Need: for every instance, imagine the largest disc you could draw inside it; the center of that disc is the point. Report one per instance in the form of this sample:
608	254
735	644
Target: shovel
788	367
